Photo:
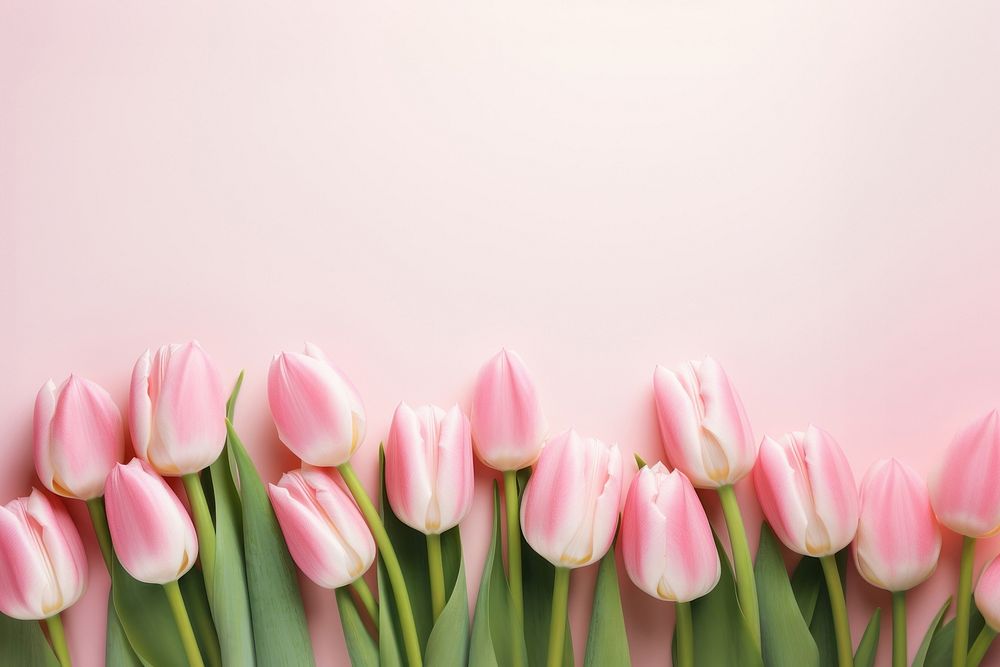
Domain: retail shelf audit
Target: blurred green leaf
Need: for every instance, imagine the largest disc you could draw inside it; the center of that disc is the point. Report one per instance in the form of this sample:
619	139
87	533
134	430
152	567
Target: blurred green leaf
361	647
24	643
868	646
925	644
607	643
117	650
491	631
280	634
785	636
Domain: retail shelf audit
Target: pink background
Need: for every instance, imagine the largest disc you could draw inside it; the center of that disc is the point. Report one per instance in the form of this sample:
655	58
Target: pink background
806	192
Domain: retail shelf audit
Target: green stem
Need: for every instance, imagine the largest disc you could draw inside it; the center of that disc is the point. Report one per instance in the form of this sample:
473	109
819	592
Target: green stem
557	627
746	586
407	625
183	622
513	511
838	605
205	528
899	629
963	602
100	520
58	637
685	634
367	599
981	646
435	565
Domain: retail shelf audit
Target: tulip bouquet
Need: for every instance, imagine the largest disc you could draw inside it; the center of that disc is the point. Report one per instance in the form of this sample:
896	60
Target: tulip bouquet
204	568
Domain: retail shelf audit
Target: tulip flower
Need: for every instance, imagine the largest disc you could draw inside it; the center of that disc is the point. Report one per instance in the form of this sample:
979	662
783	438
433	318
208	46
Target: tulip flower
43	567
988	601
153	537
325	532
429	479
898	539
508	430
707	436
668	547
320	417
966	498
77	437
807	492
570	513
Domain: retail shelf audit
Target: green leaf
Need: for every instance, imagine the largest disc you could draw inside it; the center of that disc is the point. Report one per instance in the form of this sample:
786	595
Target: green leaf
388	641
280	634
147	620
868	647
231	602
538	577
446	642
607	643
117	650
808	582
721	635
24	644
360	645
785	635
939	652
925	644
192	587
491	630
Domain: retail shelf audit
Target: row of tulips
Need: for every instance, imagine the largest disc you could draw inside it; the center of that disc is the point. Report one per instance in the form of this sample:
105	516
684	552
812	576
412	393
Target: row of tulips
566	507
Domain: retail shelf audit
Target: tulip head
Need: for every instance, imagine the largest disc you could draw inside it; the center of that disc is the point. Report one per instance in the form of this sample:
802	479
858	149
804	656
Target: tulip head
806	489
318	412
325	532
898	539
151	532
177	409
706	434
569	511
964	490
428	467
508	427
667	543
77	437
43	567
988	594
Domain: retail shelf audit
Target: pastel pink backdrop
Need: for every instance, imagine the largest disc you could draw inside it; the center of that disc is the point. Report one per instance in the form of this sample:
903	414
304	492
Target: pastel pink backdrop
807	192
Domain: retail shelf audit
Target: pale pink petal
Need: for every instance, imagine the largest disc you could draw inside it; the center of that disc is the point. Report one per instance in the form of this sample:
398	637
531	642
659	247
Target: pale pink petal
45	407
408	477
964	491
454	483
677	413
834	493
988	594
725	422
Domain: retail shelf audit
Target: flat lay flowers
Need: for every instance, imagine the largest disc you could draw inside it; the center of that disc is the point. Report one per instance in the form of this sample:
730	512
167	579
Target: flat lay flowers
204	567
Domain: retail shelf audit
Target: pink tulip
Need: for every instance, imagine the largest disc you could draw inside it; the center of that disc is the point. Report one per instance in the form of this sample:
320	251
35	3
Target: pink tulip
325	532
78	437
965	491
177	409
667	543
508	427
151	532
569	511
988	594
898	539
318	412
807	492
428	467
705	430
43	567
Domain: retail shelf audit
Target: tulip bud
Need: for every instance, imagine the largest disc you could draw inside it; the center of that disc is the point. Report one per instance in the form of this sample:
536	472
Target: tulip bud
151	532
898	539
667	542
43	567
706	434
78	437
177	409
806	489
508	427
428	467
569	511
988	594
317	410
964	490
325	532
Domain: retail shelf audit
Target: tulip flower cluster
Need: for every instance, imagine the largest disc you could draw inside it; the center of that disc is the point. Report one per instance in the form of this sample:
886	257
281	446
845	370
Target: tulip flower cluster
219	566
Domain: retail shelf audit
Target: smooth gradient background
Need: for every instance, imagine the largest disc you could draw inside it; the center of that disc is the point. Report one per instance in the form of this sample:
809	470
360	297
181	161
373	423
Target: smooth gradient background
807	192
